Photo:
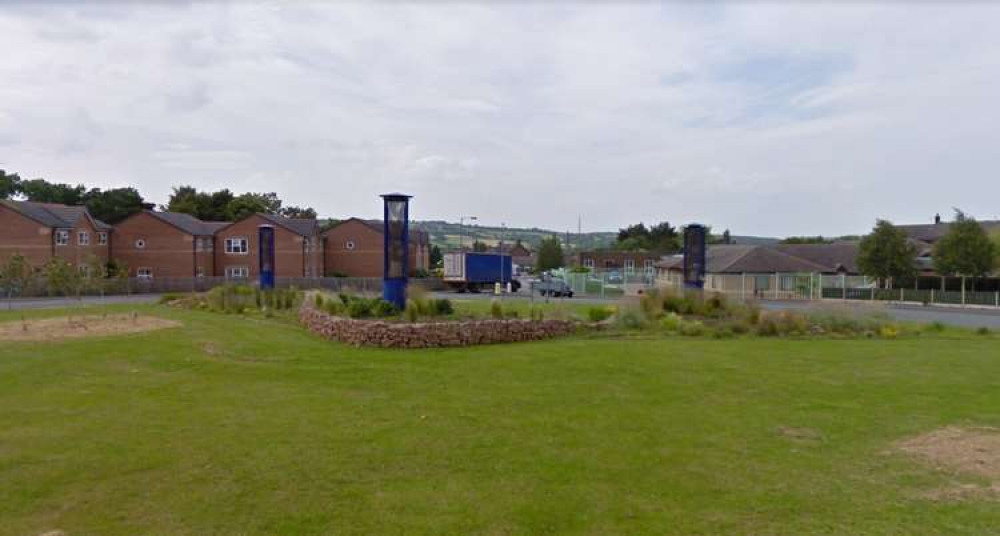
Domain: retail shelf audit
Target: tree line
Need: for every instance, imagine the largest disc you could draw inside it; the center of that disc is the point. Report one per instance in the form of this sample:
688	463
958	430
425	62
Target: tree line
115	204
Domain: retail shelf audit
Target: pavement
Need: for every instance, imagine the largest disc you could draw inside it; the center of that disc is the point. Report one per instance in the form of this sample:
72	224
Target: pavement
972	318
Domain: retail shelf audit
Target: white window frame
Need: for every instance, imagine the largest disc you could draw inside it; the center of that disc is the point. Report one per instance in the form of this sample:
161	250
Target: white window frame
82	238
199	271
588	263
648	265
233	240
144	272
102	238
238	272
140	243
629	266
62	237
83	270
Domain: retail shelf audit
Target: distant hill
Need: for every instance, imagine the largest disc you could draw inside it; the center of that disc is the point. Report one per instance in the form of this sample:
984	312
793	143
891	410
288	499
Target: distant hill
449	235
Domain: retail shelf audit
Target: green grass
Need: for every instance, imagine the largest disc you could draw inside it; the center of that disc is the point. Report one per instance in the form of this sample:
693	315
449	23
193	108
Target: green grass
233	425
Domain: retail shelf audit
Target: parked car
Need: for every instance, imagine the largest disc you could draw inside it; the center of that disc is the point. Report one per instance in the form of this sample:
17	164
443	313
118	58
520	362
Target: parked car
554	287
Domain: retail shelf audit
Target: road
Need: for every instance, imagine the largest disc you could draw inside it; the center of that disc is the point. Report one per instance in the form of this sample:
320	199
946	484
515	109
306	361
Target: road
972	318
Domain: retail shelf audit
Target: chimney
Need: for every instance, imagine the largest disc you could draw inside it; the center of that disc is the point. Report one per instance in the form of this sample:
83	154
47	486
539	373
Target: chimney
937	219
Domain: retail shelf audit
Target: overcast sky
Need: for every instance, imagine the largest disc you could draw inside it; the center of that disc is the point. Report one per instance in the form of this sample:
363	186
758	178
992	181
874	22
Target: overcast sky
793	118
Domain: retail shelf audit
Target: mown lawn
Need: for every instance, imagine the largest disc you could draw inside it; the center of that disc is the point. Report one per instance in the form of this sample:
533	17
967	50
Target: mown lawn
251	426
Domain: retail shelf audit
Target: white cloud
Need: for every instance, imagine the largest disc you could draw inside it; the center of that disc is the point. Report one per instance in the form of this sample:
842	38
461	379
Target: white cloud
771	119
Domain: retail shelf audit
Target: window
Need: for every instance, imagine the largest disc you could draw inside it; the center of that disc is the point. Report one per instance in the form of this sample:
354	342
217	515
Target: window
204	244
84	270
237	246
83	238
349	245
629	265
648	265
102	239
762	282
140	244
199	272
144	273
588	263
237	272
62	238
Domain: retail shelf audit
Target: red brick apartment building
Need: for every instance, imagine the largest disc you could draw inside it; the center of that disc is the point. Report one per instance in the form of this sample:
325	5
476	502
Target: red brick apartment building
41	231
166	244
354	248
618	261
298	247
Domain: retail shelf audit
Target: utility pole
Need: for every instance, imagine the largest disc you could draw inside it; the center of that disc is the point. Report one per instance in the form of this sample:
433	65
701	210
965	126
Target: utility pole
461	230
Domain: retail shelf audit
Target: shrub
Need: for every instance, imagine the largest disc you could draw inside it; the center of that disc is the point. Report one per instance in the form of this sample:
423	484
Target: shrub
983	330
318	300
724	332
599	314
511	314
692	328
671	322
170	297
359	308
631	319
935	326
411	313
888	331
382	309
334	308
651	304
496	310
443	307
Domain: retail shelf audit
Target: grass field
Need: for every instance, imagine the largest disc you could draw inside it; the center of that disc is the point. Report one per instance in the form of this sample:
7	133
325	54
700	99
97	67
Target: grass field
231	425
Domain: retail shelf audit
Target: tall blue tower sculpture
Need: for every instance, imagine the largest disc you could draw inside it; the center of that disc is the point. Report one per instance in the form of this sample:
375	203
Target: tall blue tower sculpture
694	255
396	259
265	248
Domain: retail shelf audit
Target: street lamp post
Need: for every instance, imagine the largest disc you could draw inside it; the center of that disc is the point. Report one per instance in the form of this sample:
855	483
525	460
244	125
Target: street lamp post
461	233
503	233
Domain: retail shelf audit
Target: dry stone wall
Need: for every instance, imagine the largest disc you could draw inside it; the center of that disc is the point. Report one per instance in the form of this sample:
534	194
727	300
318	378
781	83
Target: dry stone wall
384	334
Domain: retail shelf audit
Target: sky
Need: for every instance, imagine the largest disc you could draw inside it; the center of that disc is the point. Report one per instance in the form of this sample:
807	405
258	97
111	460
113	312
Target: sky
795	118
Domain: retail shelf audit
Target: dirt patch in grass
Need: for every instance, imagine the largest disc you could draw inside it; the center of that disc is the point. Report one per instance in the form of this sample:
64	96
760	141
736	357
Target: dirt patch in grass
60	328
967	451
801	435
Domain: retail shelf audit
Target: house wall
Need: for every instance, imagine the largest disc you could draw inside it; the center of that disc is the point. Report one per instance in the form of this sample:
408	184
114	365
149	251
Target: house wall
290	252
80	255
605	261
168	251
365	259
24	236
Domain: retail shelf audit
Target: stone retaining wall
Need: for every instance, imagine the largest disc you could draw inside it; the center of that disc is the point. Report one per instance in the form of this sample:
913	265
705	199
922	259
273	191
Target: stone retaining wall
430	334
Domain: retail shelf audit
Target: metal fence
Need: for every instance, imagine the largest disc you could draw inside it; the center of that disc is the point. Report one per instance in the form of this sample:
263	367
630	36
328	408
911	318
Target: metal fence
609	284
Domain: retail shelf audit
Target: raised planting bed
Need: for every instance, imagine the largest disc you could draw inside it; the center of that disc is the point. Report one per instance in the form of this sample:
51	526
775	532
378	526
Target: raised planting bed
432	334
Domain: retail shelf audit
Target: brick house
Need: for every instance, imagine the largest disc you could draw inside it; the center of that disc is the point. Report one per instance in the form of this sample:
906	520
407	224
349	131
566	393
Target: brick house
354	248
618	261
166	244
41	231
298	247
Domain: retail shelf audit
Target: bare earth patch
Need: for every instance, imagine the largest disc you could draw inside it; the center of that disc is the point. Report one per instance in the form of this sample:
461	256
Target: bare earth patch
970	451
56	329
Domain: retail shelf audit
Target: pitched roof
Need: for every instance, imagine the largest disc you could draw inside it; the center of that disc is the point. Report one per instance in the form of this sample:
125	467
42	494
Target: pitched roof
932	232
417	235
834	257
300	226
188	223
54	214
729	258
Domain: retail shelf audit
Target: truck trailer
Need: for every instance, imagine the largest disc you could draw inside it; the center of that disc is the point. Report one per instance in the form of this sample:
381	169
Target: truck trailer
473	272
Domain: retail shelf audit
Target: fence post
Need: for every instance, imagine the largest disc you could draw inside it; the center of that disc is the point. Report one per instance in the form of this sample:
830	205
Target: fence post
963	291
932	296
873	294
820	285
996	300
743	286
901	295
843	285
777	283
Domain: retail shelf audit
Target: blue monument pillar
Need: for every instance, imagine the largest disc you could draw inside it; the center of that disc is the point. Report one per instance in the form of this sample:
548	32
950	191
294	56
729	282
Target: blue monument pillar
396	258
265	249
694	255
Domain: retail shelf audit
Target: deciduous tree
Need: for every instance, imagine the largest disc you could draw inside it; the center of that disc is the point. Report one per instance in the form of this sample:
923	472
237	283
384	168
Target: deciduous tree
550	254
886	254
964	250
